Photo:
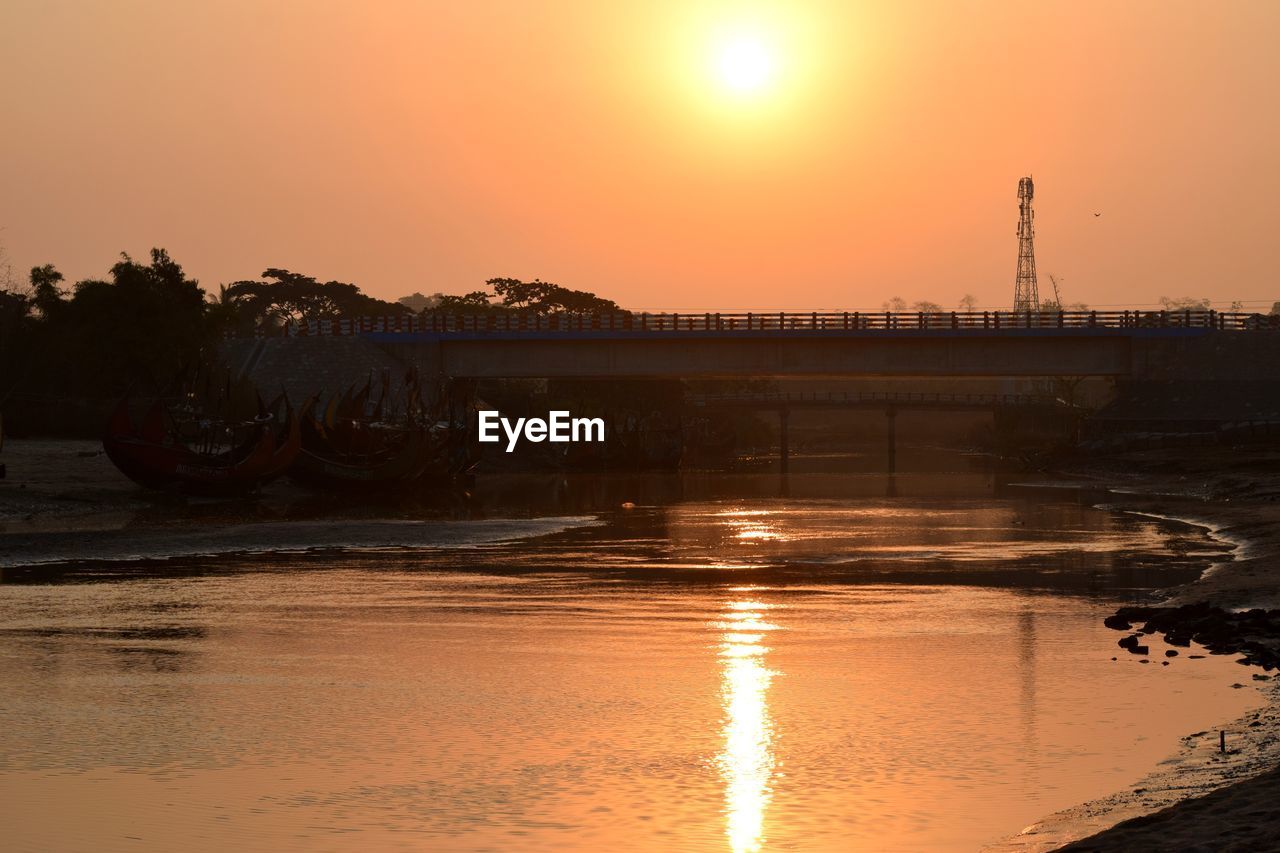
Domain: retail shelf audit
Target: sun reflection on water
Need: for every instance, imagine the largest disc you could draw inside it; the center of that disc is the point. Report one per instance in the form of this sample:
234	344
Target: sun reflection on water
746	762
751	526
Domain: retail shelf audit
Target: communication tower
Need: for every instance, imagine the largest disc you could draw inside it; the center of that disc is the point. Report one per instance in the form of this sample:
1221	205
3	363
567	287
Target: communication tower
1026	294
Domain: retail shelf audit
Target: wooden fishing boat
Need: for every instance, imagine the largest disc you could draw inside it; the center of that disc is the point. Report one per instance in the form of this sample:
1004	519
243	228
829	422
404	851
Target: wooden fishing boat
384	436
288	441
204	456
371	439
400	464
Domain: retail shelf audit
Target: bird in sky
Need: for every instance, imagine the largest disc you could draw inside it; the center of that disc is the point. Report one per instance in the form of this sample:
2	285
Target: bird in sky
1097	215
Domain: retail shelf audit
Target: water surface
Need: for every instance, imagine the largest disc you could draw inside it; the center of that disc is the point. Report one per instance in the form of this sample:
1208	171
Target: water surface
727	665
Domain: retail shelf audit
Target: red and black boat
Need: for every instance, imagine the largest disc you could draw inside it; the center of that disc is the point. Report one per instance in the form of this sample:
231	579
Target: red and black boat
177	448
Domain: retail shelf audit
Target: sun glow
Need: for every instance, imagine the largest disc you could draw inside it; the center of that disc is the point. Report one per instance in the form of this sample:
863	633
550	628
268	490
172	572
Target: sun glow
736	82
745	63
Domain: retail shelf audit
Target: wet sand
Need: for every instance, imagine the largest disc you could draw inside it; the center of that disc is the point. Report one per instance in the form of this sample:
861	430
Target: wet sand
1201	798
59	481
64	502
1239	817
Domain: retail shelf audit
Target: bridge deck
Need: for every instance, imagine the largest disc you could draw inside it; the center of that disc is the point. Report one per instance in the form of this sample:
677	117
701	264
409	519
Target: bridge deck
621	323
845	344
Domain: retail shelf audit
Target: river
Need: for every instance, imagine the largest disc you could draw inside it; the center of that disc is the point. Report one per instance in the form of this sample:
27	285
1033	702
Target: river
696	662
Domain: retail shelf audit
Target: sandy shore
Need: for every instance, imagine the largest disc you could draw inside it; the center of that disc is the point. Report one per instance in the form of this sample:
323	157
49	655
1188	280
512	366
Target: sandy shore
1201	798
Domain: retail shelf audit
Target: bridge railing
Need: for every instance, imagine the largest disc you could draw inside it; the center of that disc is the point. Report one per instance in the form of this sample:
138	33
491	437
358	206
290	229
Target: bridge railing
623	321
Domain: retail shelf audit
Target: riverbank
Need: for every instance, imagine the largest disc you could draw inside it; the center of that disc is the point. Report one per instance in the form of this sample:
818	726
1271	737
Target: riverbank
1202	797
63	503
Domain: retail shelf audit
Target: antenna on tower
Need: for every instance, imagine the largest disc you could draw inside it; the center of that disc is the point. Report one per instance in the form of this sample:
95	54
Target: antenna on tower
1026	294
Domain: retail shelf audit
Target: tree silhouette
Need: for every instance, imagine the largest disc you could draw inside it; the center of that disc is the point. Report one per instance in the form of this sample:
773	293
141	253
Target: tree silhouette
293	297
515	296
544	297
46	294
141	324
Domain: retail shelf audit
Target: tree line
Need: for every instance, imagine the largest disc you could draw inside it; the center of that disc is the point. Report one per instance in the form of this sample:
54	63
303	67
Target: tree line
511	295
145	320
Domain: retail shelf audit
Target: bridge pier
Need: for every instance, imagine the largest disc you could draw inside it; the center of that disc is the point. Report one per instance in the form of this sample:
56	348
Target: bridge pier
892	415
784	438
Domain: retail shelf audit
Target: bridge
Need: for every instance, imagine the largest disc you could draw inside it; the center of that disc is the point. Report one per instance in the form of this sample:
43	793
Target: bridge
891	402
783	344
1189	348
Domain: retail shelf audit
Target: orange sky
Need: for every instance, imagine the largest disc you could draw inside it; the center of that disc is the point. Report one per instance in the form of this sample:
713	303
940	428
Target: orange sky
427	146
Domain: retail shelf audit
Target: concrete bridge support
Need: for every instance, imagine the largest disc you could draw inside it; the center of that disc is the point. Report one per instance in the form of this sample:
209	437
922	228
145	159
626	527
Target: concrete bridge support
891	415
784	439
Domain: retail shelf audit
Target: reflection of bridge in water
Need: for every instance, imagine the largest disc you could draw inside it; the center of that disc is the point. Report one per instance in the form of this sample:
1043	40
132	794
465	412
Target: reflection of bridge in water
890	402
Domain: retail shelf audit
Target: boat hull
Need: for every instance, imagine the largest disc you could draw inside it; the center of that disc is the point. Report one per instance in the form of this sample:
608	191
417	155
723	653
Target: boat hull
155	460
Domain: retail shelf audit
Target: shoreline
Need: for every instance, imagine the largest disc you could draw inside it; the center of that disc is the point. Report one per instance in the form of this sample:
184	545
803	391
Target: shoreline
1198	797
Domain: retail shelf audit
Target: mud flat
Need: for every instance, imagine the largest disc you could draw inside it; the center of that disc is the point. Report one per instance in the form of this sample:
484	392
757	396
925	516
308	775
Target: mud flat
64	503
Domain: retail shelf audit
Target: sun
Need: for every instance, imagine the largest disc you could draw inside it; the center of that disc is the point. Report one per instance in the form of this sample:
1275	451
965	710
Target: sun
745	64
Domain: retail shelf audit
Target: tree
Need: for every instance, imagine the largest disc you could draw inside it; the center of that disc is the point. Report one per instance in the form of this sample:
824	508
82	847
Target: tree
143	323
8	282
1184	303
417	303
968	302
293	297
927	307
475	302
15	334
515	296
46	295
15	306
544	297
16	328
1052	306
897	303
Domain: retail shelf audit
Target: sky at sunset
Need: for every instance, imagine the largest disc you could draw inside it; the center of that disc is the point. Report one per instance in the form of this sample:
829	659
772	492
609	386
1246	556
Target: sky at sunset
669	155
